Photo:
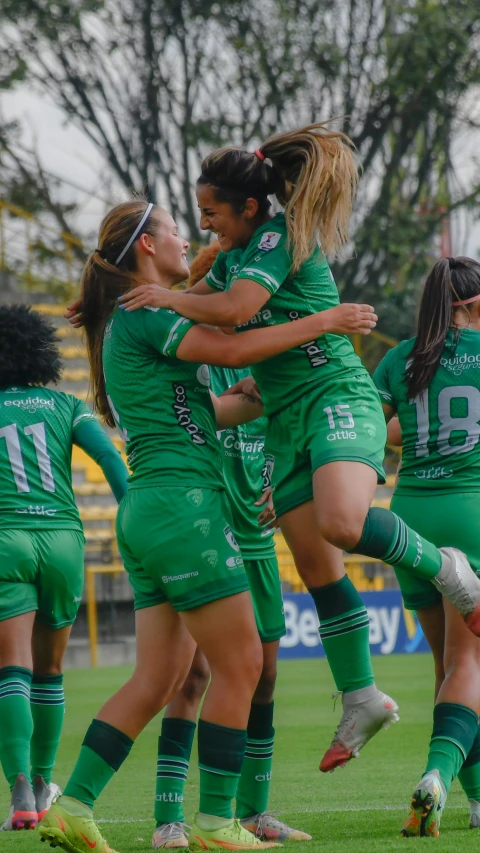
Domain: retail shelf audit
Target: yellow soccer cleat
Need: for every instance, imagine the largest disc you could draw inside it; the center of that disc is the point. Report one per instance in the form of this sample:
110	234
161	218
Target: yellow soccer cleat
76	833
230	837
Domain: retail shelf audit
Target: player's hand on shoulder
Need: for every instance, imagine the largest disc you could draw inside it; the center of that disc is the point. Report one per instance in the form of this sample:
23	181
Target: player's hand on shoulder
151	295
350	318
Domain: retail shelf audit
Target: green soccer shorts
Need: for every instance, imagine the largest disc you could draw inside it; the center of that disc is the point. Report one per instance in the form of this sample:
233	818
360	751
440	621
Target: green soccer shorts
445	520
177	545
266	590
41	570
340	421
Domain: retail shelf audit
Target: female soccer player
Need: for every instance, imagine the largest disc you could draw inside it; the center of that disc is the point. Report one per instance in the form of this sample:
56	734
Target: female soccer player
246	474
432	382
41	551
326	430
173	526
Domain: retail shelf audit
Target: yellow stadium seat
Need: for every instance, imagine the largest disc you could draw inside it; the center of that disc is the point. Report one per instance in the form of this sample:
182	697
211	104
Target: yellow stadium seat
49	310
73	352
79	374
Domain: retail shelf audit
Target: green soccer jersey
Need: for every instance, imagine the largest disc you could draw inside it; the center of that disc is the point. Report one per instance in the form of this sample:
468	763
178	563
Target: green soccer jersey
440	429
246	472
37	429
162	406
267	260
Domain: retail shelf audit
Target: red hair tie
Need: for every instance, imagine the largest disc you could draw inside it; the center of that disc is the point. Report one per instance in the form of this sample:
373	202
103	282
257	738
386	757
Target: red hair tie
259	154
466	301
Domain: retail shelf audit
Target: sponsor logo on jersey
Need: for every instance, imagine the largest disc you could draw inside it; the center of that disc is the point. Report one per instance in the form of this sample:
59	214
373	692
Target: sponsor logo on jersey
262	316
183	414
263	777
185	577
269	240
458	363
234	269
37	510
230	537
315	354
341	434
203	524
233	562
232	441
434	473
267	472
210	558
370	429
170	797
195	497
31	404
203	375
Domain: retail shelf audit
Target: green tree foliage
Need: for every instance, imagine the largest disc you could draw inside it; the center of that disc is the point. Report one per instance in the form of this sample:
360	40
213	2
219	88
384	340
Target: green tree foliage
155	84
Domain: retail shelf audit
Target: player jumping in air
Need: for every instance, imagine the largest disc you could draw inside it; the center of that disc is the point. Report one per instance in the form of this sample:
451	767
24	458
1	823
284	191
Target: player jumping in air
326	431
41	551
246	473
173	526
432	382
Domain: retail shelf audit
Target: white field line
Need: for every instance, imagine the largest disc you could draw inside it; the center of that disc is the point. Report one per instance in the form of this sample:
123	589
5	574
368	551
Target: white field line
321	810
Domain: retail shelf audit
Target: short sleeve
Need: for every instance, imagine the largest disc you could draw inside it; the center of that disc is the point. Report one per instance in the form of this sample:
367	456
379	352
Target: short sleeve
81	414
381	378
165	330
268	261
217	276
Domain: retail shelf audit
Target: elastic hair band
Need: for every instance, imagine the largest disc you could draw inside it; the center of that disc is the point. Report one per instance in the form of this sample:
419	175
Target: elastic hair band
467	301
135	233
259	154
452	263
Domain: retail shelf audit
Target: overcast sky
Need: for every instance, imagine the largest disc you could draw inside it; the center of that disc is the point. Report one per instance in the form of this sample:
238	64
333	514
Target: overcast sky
67	152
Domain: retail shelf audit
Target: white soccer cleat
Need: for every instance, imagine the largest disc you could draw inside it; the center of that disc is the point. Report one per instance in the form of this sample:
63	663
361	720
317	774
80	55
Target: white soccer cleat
45	795
458	582
23	813
170	836
365	712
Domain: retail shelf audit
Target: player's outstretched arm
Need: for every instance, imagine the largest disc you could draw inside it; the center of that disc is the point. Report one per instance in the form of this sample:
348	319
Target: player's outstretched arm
208	345
90	436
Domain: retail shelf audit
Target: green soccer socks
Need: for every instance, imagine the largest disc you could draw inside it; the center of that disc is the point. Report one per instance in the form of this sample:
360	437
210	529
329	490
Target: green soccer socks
16	724
174	750
344	631
455	728
103	752
47	701
386	537
254	785
221	751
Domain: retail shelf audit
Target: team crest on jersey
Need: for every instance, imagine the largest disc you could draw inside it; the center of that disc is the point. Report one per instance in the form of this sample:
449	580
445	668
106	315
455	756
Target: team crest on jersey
195	496
203	375
229	536
203	524
267	471
210	558
371	430
269	240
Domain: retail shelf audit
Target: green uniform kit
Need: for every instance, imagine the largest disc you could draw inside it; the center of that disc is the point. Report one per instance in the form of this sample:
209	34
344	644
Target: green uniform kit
438	492
41	535
174	527
247	475
311	393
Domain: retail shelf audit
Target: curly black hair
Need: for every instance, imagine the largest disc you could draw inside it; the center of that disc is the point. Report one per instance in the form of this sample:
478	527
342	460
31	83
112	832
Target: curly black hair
29	352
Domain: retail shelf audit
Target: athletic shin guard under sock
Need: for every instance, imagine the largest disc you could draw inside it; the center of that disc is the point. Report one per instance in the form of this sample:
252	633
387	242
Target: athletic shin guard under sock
47	701
174	750
344	631
254	785
16	724
454	730
221	750
103	752
386	537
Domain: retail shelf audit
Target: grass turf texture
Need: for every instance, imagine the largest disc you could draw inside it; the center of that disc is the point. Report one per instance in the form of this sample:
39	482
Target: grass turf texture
360	808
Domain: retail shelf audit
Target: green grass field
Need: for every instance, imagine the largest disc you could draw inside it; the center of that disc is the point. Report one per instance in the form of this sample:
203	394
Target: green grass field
360	808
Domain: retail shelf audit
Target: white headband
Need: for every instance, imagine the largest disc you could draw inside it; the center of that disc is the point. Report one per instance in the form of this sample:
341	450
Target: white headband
135	233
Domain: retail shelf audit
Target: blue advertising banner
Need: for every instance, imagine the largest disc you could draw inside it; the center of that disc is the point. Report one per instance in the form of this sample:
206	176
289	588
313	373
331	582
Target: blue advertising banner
393	630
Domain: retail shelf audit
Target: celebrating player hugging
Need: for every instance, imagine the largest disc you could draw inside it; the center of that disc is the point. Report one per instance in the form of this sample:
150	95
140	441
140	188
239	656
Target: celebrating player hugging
245	381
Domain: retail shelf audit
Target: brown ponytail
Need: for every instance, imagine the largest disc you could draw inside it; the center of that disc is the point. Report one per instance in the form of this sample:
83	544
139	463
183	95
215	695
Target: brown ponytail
451	280
103	282
313	174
